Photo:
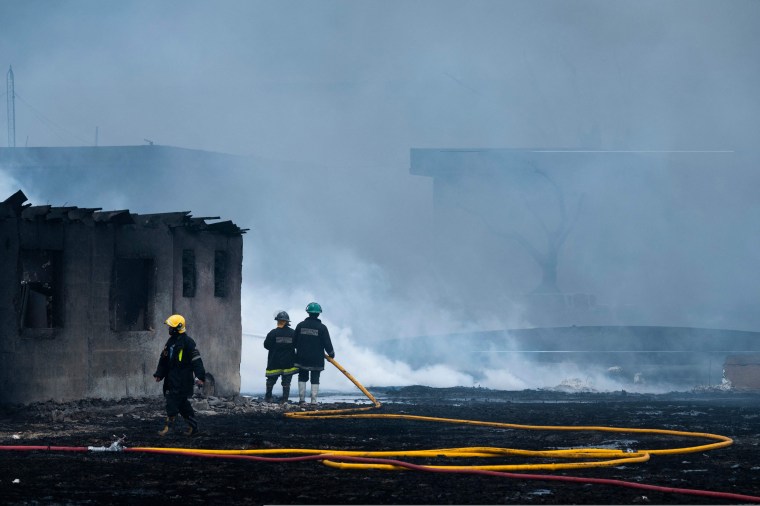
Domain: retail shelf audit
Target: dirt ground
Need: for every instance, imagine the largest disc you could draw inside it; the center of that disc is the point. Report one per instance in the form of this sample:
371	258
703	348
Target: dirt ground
58	477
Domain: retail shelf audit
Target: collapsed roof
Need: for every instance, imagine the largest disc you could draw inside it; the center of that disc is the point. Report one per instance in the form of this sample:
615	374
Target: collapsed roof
16	206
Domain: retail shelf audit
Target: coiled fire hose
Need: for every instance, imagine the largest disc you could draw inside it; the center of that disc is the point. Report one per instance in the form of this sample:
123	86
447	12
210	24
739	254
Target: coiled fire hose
381	460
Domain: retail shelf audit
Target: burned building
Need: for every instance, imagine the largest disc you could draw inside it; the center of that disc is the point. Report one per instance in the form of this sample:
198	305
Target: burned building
84	294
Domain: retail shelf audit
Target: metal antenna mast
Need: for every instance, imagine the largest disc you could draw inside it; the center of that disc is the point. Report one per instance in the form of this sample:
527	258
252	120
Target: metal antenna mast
11	101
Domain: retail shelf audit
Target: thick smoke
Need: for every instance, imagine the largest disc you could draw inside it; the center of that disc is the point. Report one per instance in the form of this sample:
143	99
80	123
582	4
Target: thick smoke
324	101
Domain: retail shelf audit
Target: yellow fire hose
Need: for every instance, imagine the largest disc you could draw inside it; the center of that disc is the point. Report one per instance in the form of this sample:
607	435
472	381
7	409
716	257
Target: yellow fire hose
609	457
337	412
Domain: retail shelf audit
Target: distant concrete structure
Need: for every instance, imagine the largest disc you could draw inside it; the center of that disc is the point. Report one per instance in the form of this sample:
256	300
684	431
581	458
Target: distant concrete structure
520	210
517	223
743	371
84	294
101	165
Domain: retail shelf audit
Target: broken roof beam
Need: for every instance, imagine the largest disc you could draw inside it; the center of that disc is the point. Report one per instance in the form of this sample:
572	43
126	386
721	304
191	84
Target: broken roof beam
34	212
16	201
175	219
225	227
83	213
58	213
122	217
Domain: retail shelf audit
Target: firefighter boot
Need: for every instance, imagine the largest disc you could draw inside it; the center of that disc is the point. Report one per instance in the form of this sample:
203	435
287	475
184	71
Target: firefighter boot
268	395
167	426
192	429
285	394
314	392
301	392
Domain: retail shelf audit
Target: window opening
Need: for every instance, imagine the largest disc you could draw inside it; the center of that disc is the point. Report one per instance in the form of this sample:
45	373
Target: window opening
188	273
131	292
221	261
41	289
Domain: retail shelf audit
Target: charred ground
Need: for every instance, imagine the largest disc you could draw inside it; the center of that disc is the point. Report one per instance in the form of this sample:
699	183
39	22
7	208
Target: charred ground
44	477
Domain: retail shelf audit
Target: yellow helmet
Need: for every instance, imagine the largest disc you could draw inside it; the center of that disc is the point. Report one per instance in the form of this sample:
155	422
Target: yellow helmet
176	321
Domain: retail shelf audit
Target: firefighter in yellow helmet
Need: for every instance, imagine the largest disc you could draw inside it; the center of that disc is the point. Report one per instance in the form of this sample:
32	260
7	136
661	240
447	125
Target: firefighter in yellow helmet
179	361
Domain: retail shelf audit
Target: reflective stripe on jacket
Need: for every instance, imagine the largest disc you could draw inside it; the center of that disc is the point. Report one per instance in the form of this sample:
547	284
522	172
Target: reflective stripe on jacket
312	341
179	361
282	354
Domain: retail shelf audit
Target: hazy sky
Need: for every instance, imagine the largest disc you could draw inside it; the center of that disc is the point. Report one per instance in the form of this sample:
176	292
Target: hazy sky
359	82
346	88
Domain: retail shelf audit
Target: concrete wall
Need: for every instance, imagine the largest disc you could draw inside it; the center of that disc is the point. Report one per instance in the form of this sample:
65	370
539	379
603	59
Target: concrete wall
121	363
85	356
743	371
213	322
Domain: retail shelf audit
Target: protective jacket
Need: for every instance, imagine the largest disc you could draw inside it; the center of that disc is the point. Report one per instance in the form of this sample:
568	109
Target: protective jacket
179	360
312	341
282	353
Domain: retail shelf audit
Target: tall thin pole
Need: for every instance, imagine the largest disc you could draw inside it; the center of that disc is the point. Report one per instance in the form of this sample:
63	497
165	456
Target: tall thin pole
11	102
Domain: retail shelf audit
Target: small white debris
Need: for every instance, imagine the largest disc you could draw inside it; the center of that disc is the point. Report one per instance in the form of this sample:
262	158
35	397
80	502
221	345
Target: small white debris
16	436
16	481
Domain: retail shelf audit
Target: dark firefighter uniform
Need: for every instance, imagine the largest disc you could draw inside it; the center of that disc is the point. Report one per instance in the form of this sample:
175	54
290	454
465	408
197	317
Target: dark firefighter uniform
179	360
312	341
282	354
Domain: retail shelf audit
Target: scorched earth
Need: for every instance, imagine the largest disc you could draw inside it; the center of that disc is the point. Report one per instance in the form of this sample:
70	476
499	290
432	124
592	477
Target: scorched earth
63	476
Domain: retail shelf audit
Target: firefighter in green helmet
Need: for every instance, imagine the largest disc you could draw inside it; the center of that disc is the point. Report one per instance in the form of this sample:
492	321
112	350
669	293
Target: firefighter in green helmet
312	341
180	360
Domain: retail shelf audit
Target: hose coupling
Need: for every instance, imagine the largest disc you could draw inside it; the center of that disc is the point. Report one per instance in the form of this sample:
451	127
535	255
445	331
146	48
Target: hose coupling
116	446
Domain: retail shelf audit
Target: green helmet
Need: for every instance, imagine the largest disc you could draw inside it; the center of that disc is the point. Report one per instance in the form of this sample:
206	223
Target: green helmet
313	308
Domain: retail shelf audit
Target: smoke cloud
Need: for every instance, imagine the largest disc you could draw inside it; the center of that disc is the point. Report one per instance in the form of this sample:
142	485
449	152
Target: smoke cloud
323	102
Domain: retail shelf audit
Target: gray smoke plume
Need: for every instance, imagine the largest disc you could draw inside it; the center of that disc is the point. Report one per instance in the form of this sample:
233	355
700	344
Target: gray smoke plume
325	100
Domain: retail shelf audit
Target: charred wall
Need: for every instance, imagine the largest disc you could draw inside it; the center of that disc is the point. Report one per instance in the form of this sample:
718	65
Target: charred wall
214	263
84	293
